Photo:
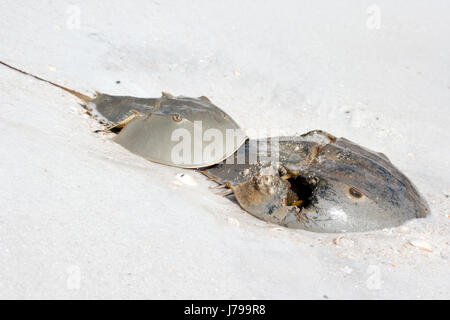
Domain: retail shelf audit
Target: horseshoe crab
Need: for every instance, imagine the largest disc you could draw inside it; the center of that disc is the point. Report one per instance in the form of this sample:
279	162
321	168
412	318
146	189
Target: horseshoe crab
314	181
154	128
159	128
320	183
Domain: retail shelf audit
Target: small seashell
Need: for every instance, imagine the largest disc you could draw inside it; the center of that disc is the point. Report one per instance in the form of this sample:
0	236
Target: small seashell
186	179
338	239
347	270
233	222
276	228
421	244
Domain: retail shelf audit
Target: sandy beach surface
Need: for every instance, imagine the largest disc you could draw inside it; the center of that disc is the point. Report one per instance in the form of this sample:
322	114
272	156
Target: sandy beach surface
81	217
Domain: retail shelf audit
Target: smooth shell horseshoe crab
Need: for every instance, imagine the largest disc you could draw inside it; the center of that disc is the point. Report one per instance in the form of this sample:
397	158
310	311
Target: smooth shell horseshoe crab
152	128
317	182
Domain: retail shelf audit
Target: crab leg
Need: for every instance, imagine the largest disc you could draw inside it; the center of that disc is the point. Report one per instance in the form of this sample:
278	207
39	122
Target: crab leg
122	124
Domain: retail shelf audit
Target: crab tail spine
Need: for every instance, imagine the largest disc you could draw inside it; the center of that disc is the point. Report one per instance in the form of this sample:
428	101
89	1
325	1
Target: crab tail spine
79	95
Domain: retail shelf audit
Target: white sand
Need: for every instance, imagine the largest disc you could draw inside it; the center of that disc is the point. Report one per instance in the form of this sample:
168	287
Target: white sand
83	218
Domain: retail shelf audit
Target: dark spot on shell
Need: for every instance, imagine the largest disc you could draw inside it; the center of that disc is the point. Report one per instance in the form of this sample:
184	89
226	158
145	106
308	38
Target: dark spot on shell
271	209
177	118
355	193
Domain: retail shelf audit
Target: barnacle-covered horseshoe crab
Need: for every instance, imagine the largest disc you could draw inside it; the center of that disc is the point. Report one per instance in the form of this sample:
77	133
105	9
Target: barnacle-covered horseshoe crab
320	183
314	181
